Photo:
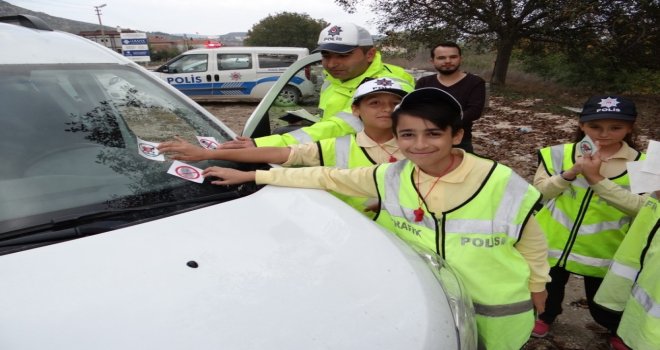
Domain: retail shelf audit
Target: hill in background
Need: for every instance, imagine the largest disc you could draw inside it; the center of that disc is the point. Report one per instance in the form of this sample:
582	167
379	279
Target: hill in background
75	27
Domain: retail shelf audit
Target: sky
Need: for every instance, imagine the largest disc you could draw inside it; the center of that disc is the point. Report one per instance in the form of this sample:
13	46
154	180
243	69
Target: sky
206	17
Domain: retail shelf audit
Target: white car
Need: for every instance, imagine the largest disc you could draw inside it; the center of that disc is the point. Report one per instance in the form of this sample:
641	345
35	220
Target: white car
102	248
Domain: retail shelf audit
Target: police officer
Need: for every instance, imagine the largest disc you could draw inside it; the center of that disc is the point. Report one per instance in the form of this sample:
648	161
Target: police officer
348	57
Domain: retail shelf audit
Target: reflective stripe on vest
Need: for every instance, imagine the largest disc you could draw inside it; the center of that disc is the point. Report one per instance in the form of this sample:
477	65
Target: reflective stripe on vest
591	229
586	260
631	263
583	230
508	206
351	120
302	136
342	151
500	296
624	271
391	196
651	307
557	156
503	310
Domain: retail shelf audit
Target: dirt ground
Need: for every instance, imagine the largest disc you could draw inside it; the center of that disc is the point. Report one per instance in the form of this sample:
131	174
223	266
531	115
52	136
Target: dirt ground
511	132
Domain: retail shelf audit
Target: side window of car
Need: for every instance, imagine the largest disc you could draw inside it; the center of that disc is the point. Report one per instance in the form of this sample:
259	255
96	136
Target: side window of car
233	61
189	64
274	60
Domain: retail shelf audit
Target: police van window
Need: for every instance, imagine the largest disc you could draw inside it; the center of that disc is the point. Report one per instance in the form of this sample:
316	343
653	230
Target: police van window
274	60
232	61
189	64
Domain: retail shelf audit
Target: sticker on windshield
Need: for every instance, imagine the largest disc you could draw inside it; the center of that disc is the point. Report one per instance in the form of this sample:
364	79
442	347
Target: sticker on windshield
149	150
208	142
186	172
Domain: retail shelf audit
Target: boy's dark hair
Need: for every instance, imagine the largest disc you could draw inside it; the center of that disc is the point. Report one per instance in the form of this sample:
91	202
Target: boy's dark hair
441	115
435	105
446	44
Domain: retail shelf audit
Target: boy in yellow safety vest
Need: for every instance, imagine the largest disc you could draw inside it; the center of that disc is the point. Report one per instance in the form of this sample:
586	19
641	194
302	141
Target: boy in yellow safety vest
475	213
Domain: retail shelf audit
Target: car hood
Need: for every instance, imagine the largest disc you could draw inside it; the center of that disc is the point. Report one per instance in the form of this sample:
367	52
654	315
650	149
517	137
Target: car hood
279	269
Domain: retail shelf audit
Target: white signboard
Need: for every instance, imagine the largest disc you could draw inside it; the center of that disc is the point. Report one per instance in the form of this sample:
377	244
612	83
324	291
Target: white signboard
135	46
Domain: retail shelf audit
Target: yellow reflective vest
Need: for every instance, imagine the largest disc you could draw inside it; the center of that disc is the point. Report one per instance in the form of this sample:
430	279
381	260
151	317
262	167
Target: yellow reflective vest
583	230
336	97
344	153
632	282
477	240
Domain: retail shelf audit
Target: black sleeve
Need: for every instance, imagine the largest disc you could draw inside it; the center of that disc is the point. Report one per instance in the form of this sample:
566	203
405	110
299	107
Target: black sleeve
476	100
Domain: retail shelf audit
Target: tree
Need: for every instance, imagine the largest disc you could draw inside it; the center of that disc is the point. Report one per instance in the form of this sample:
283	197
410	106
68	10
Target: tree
616	50
502	22
286	29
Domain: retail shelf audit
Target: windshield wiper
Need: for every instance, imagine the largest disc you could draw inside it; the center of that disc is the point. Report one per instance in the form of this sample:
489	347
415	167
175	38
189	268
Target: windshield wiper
90	223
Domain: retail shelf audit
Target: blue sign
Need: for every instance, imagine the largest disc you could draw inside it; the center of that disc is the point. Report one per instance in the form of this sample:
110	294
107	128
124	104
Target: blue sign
136	52
134	41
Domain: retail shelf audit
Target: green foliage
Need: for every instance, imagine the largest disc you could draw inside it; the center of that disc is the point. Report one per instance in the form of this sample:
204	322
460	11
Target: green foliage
286	29
162	55
594	72
616	53
500	24
612	42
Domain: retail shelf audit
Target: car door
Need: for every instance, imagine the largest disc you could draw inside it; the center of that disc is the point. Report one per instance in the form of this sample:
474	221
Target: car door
189	73
305	75
236	74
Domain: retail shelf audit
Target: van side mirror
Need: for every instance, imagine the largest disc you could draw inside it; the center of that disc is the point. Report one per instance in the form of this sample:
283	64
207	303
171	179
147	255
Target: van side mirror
163	69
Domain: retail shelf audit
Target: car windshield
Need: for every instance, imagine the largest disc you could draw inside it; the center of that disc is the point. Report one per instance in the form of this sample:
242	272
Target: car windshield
69	138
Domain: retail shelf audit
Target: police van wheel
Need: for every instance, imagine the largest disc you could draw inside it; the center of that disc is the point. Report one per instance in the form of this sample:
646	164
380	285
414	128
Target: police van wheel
289	96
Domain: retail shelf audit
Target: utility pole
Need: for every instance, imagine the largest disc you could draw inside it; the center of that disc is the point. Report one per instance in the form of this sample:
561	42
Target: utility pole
98	13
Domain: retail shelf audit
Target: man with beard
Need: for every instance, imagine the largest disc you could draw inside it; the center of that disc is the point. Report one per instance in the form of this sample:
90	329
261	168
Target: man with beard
468	89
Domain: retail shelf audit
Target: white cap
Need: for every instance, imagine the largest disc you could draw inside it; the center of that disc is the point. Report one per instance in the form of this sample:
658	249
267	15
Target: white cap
378	85
343	37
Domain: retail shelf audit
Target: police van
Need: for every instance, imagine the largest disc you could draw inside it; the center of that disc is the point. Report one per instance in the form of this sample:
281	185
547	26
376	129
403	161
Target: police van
240	72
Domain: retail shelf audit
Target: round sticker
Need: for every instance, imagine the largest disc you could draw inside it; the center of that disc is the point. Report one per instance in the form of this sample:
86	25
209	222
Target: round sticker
586	147
187	172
